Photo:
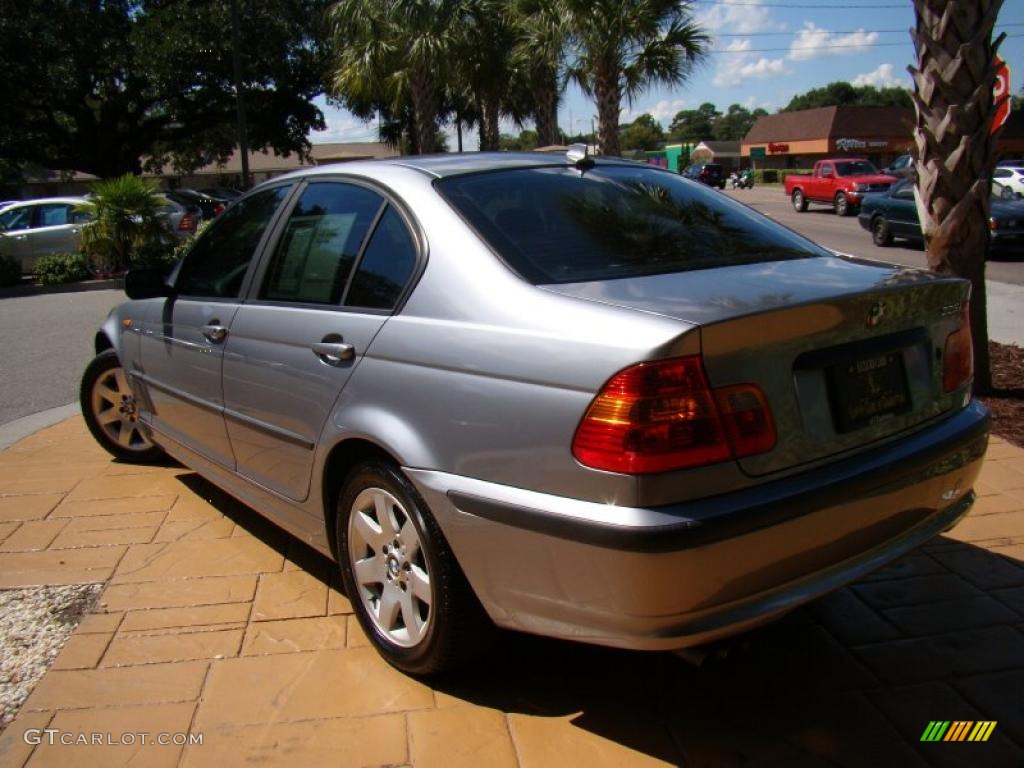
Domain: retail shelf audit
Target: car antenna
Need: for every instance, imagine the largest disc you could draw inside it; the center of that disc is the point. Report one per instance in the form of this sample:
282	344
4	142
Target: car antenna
577	156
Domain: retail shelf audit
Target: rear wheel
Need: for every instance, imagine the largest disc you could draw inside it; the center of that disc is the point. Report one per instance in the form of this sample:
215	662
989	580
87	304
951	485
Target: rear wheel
842	205
799	201
110	411
880	232
403	581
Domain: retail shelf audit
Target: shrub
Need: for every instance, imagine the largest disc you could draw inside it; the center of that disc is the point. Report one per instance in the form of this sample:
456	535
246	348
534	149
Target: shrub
10	270
127	228
61	268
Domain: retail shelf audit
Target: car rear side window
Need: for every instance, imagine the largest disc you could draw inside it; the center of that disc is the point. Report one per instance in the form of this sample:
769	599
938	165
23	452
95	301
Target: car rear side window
314	257
558	225
215	266
386	267
52	214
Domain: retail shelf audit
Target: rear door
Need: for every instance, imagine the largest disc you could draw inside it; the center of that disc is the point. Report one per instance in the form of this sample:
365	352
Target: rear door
902	213
55	229
182	342
340	264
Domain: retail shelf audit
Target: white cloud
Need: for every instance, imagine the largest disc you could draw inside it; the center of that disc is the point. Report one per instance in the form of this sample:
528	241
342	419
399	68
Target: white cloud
741	20
734	69
812	42
882	77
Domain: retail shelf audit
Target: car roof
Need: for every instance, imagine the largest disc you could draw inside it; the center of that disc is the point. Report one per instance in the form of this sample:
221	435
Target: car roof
38	200
452	164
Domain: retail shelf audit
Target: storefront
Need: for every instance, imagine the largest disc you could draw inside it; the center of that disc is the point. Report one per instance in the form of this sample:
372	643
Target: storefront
798	139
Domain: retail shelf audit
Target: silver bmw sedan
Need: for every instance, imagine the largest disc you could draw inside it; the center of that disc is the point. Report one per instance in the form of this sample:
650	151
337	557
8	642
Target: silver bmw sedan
576	397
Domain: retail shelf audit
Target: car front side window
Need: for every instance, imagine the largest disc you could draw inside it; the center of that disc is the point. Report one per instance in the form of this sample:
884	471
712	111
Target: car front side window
16	219
216	265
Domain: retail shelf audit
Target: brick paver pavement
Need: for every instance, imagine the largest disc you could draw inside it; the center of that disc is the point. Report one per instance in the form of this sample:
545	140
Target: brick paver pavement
213	621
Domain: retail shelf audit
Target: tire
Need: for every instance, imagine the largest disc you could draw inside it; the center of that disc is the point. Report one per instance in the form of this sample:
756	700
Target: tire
108	406
841	204
435	622
799	201
881	235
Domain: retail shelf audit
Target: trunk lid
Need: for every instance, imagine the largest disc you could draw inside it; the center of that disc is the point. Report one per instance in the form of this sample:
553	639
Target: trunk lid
848	352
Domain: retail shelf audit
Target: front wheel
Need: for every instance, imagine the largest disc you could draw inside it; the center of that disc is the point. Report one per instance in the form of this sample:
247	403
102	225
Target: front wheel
405	586
110	411
842	205
799	201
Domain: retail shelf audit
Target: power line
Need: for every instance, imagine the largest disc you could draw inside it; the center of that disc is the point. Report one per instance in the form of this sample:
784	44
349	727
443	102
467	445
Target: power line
819	47
837	32
796	5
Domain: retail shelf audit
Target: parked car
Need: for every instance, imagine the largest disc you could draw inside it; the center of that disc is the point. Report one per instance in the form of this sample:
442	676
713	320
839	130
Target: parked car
183	219
209	205
902	168
838	182
893	214
1010	177
32	229
223	193
706	173
576	397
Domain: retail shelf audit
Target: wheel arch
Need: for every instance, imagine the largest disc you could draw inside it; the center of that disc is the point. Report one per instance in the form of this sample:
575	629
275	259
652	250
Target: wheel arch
340	460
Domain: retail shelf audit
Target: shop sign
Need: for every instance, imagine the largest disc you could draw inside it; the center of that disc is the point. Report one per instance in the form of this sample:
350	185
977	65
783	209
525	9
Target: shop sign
845	145
775	149
757	153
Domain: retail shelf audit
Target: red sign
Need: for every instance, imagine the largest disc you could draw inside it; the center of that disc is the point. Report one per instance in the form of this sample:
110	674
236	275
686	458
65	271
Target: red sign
1001	94
776	148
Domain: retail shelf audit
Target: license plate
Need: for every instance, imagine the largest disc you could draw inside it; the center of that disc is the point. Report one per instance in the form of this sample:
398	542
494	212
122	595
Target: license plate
868	390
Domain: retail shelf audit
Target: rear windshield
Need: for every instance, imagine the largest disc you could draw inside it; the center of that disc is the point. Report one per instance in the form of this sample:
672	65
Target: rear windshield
855	168
556	225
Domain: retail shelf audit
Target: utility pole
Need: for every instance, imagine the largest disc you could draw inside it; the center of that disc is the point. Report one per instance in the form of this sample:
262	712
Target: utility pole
236	61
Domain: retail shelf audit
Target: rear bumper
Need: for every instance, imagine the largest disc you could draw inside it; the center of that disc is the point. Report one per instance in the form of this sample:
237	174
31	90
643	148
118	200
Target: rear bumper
681	575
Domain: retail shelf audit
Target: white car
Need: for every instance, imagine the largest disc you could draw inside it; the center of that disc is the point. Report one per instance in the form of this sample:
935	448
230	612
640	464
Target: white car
32	229
1010	177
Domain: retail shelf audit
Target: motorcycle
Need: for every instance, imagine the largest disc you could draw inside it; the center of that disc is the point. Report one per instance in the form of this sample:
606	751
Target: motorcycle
744	180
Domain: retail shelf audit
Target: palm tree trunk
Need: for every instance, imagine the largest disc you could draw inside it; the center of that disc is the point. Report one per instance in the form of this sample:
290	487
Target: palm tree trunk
953	83
490	133
421	88
546	114
608	93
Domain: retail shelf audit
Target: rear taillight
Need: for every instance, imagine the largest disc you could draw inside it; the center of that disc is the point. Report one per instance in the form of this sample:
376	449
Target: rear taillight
187	223
662	416
958	357
218	209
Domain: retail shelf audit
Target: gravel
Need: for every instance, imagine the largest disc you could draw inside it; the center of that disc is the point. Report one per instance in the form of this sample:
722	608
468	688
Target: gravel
35	622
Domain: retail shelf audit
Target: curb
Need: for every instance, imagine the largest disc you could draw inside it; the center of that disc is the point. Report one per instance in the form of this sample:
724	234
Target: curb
33	289
16	430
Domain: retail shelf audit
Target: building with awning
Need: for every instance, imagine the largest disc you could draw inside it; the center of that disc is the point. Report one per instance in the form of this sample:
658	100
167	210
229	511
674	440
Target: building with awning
798	139
725	153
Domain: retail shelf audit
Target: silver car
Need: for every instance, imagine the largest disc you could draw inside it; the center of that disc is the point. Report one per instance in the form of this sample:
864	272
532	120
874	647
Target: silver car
32	229
578	398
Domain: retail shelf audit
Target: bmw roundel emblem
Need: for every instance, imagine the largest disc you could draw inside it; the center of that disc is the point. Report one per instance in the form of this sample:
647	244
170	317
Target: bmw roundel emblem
876	313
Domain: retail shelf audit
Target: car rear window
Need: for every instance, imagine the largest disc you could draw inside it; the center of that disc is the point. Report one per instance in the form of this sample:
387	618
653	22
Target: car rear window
558	225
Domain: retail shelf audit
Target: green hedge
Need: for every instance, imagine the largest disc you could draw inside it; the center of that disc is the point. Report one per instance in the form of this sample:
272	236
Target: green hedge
61	268
10	270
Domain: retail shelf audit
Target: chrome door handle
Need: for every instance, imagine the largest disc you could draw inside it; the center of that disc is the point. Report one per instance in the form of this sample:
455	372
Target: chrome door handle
215	333
333	352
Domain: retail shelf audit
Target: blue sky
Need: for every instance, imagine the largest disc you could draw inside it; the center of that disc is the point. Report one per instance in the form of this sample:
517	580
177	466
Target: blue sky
765	53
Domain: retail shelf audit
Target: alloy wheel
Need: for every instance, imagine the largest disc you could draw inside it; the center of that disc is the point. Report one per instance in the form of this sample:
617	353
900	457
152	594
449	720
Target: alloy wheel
389	567
114	408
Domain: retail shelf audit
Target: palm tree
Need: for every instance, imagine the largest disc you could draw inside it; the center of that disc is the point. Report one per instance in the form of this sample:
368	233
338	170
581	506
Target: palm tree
126	226
396	53
483	67
623	46
539	57
953	81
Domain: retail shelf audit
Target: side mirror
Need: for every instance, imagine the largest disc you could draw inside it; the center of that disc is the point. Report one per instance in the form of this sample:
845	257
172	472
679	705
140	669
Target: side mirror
145	284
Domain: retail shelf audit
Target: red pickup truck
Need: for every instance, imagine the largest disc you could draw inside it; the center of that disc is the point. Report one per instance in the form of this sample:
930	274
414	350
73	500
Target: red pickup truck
839	182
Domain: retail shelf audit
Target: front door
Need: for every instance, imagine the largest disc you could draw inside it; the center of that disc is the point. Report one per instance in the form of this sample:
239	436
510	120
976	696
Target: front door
313	313
182	343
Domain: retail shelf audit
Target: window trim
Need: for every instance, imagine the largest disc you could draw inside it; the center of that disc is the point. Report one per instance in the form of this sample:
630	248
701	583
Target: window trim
258	251
252	290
